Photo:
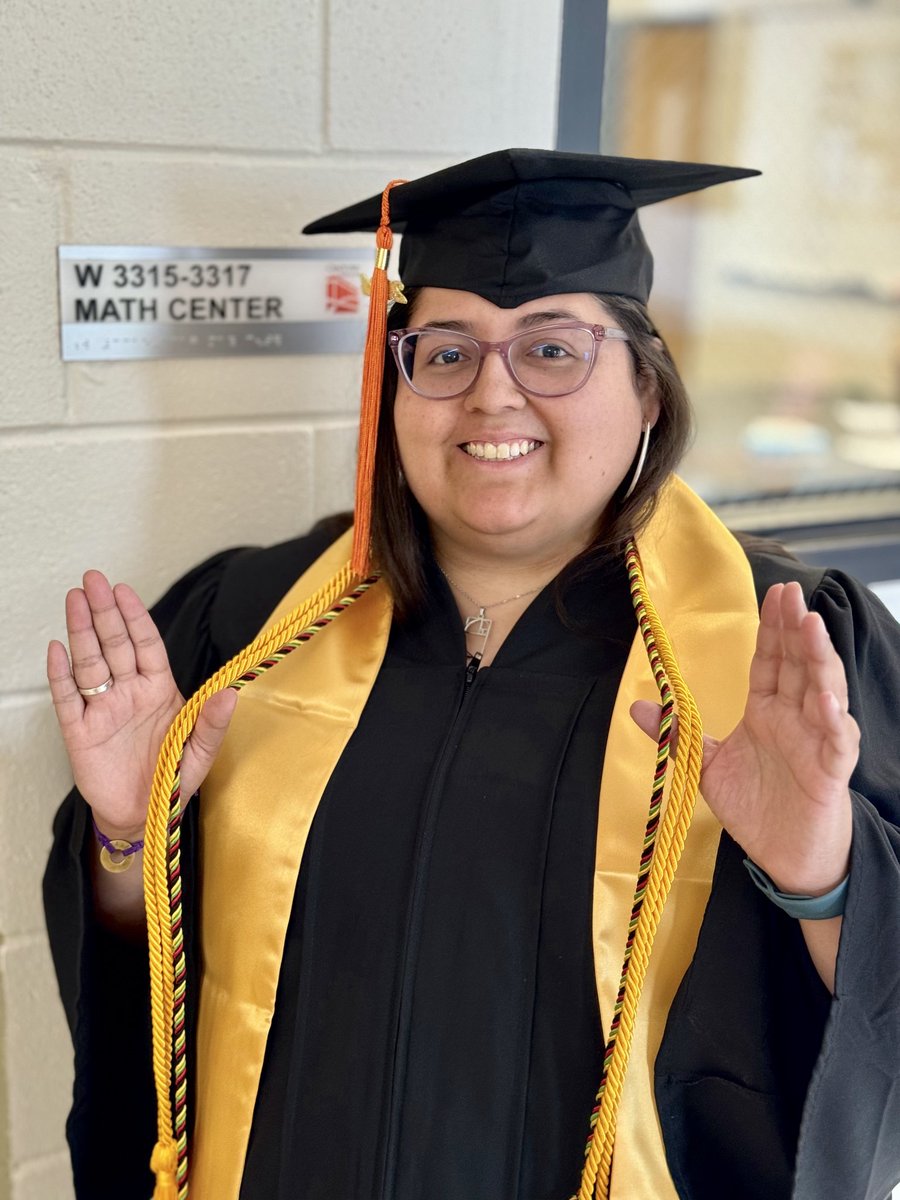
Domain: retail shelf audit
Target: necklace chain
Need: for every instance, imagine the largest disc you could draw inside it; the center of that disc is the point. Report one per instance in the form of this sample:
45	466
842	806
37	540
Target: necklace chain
480	625
493	603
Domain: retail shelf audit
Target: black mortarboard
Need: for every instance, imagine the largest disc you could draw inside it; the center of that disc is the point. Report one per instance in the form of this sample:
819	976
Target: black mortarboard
518	224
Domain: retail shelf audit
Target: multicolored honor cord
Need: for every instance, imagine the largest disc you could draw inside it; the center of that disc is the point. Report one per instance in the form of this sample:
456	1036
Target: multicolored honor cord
660	852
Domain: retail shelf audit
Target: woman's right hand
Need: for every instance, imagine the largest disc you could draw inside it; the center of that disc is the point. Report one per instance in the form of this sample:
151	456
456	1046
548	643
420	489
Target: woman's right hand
113	739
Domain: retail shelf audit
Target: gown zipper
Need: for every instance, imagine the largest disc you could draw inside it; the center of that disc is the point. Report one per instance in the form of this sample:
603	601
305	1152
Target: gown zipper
410	954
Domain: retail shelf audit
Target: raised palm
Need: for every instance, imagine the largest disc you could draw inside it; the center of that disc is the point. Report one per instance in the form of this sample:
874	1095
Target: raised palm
113	738
779	781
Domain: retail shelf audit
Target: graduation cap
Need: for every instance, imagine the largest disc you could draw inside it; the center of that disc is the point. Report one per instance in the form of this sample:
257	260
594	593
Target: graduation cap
518	224
510	226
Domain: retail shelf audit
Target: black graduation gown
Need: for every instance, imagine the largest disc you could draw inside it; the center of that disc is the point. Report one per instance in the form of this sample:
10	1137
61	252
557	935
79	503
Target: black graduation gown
436	1029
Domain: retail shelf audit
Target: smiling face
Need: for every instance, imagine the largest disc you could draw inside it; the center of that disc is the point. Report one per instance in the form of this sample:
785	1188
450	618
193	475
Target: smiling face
501	471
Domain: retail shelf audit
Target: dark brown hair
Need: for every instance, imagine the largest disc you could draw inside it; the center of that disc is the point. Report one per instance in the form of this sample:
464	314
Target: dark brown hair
400	535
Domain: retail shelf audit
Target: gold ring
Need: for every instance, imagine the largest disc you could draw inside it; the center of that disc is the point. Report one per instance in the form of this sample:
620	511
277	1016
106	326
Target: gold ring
97	691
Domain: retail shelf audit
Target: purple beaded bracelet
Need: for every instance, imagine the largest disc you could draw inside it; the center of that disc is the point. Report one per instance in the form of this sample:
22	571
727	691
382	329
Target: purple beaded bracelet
116	854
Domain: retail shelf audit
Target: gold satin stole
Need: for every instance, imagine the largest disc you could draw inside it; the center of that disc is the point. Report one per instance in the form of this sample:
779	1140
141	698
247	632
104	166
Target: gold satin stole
290	729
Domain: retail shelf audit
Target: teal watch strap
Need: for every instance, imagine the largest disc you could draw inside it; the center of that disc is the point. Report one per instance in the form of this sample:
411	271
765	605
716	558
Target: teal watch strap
806	908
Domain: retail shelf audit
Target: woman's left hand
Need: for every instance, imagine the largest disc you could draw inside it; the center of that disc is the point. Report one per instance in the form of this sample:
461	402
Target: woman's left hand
779	783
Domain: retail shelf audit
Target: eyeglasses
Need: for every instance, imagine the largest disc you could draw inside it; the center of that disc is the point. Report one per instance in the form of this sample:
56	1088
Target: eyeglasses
553	360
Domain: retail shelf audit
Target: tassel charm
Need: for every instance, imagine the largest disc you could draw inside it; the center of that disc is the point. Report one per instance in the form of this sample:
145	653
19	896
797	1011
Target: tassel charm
396	294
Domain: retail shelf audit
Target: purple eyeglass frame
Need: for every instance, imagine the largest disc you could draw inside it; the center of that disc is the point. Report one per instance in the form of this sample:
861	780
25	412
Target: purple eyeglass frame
599	332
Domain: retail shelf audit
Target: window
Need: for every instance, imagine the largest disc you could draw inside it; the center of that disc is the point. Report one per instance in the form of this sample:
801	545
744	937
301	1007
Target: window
779	295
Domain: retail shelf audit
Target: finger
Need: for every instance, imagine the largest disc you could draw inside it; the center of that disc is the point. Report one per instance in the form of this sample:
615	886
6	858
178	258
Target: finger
66	698
793	675
826	670
149	651
769	653
645	715
89	667
206	738
841	745
109	626
795	655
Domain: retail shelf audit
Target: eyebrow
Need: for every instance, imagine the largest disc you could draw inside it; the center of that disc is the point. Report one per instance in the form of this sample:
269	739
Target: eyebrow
527	322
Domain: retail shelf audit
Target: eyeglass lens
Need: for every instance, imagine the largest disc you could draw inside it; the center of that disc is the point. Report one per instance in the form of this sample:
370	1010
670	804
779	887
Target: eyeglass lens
547	362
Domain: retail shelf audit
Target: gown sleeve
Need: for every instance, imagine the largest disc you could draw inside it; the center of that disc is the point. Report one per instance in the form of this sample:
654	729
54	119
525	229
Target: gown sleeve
104	979
850	1136
763	1078
204	618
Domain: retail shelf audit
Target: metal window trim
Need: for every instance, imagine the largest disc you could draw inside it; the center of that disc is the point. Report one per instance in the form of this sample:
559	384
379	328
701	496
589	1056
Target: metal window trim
582	63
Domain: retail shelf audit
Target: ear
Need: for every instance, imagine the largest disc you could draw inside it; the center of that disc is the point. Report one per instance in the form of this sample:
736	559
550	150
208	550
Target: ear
650	404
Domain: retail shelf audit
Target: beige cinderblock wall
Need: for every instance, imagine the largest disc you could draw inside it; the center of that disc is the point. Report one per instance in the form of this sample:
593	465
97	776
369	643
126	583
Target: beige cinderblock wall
212	124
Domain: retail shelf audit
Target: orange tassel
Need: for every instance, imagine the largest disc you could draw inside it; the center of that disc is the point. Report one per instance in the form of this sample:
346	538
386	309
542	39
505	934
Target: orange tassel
370	400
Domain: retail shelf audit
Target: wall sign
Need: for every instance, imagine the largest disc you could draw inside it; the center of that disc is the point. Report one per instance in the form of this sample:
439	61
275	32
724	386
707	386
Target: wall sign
131	302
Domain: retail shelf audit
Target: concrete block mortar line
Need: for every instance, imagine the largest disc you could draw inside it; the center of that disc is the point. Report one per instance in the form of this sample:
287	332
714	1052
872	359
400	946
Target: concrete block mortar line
25	435
324	78
67	220
321	18
5	1147
232	156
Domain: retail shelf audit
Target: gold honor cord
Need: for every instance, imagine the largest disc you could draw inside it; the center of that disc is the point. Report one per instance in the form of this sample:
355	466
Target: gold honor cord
162	877
597	1170
162	872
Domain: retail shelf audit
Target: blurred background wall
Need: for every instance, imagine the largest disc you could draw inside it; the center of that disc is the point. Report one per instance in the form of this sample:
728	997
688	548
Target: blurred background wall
232	125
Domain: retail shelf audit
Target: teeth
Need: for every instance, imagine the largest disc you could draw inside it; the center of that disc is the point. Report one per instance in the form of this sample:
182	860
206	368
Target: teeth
500	450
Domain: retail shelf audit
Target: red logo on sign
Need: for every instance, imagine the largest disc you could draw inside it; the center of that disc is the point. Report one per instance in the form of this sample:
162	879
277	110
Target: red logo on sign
341	296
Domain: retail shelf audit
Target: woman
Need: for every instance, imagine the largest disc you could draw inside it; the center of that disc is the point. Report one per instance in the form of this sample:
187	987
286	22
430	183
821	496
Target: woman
413	910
